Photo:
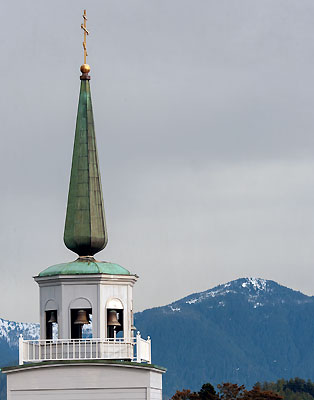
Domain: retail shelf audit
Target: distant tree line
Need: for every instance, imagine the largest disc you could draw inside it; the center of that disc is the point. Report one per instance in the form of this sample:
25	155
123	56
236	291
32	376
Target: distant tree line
226	391
293	389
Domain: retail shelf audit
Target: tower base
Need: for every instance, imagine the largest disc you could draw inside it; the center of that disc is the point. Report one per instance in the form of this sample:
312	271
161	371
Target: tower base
87	379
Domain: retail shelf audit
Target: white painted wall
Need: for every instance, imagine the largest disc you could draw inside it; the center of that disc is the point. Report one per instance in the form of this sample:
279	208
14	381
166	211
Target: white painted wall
85	381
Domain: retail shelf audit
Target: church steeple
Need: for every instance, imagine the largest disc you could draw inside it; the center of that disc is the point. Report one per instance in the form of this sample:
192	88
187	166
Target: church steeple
85	230
86	306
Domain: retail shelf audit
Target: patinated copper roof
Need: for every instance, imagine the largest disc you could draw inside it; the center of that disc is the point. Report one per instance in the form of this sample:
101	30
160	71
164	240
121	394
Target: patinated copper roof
82	267
85	230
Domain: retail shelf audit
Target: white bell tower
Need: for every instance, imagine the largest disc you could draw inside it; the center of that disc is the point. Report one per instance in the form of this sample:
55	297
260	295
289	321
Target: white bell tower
72	298
88	348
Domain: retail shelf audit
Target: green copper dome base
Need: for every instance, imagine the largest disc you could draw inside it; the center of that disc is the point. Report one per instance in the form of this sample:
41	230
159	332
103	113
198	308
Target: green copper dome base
83	266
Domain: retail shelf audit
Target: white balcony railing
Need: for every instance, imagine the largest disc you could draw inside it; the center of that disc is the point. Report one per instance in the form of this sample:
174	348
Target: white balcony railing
137	349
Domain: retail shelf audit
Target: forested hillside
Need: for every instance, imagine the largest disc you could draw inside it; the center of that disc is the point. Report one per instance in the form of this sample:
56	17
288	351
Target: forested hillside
244	331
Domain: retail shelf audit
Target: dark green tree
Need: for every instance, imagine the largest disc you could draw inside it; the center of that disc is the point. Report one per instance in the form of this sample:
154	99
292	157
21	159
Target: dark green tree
293	389
208	392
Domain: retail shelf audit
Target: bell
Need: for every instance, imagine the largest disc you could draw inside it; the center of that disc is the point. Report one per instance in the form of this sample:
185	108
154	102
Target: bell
113	318
81	318
53	317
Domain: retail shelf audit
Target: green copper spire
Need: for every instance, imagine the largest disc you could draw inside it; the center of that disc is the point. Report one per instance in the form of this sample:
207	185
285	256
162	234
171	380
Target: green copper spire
85	230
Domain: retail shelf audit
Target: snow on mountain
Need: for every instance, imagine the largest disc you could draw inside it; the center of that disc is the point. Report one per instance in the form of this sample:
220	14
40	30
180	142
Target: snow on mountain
256	283
10	331
257	292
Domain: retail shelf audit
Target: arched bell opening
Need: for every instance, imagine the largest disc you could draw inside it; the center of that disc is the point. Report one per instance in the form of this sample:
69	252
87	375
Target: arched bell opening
51	324
51	320
114	310
114	323
81	318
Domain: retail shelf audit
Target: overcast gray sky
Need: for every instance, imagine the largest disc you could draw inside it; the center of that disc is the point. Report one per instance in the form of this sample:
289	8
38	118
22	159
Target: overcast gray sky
205	128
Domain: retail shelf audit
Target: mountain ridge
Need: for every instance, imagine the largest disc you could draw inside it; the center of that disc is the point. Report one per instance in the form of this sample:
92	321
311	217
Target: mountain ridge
257	286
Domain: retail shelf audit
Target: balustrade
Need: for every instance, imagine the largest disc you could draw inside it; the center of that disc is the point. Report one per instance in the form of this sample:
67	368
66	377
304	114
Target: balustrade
136	349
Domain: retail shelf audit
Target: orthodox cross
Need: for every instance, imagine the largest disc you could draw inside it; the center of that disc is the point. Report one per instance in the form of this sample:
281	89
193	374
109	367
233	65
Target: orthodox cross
83	26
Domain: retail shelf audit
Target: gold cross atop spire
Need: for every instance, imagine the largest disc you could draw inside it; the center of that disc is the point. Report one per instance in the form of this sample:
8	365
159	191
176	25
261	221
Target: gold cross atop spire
83	26
85	68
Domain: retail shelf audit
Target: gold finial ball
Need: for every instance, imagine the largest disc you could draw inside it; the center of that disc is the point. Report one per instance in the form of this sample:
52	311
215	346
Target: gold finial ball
85	68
